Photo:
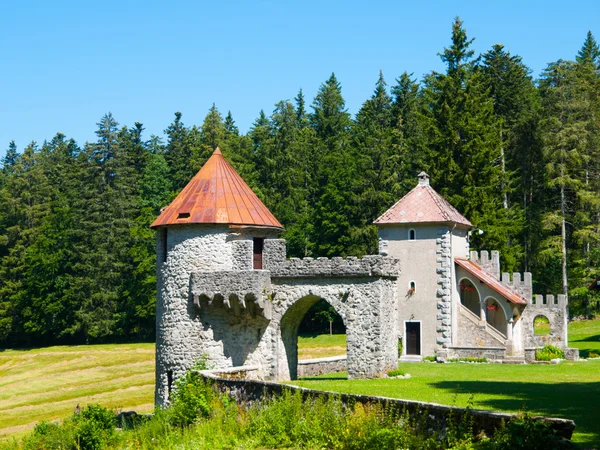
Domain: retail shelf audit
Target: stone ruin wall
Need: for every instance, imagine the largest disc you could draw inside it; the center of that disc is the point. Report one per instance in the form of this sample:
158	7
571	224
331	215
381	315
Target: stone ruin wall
210	302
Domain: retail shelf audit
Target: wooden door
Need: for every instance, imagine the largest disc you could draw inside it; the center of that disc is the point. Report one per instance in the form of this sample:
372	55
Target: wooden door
413	338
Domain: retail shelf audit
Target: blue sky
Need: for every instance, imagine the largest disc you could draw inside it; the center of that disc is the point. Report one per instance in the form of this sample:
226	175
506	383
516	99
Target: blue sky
67	63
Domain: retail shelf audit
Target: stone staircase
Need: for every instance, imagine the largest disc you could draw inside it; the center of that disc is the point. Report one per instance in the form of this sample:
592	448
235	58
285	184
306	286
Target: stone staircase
411	358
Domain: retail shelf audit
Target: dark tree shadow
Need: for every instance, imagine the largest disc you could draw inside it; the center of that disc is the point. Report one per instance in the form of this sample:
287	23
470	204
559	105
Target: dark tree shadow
579	402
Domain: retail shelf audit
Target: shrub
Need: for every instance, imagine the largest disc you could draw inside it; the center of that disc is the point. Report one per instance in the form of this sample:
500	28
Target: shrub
395	373
94	427
549	352
527	433
48	436
192	396
429	358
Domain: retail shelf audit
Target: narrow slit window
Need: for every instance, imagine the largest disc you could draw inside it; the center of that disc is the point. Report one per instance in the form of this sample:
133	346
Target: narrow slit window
412	234
412	286
257	262
164	246
169	382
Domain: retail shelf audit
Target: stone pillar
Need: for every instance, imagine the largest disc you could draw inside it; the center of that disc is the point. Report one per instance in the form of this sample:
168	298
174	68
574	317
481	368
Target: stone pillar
509	336
482	316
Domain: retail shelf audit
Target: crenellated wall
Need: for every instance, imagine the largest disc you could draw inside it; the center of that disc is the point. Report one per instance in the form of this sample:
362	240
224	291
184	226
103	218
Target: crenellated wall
211	302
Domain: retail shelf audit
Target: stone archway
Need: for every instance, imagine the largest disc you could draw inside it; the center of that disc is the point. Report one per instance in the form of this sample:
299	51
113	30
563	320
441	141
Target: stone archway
367	307
496	315
290	322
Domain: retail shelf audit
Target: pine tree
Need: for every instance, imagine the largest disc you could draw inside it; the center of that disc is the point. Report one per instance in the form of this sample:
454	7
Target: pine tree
10	158
463	137
378	163
589	51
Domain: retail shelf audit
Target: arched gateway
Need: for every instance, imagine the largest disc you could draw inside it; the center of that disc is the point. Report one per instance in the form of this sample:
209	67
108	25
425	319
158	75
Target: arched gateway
226	289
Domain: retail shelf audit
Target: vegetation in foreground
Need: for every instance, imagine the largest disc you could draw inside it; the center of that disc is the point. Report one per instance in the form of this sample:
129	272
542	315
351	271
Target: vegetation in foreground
201	418
568	390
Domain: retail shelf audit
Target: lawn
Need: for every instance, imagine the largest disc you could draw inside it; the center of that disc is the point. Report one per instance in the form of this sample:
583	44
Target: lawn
47	384
570	390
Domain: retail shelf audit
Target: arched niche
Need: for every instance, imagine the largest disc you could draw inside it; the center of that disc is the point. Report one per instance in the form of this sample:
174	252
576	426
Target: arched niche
469	296
495	315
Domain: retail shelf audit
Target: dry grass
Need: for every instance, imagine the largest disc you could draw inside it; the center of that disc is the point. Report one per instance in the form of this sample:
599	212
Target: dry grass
47	384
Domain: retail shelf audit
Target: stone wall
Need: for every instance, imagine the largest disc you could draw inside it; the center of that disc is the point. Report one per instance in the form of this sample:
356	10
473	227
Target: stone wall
489	353
473	334
248	391
554	309
319	366
210	303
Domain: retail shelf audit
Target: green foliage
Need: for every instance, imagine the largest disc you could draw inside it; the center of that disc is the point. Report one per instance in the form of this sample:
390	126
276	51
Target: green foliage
93	428
192	397
395	373
524	433
548	353
468	359
518	159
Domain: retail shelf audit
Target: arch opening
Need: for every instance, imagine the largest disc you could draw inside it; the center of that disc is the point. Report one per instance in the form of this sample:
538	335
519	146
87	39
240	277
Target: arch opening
541	326
469	296
495	315
311	318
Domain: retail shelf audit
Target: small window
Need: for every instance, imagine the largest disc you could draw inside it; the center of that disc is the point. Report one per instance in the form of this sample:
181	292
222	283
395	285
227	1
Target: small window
257	262
412	287
183	215
412	234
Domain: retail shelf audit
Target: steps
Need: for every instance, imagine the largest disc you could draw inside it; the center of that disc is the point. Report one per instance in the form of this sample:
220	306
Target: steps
518	359
411	358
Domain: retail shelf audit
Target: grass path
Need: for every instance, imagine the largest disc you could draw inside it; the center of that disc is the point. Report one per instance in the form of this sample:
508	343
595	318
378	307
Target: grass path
47	384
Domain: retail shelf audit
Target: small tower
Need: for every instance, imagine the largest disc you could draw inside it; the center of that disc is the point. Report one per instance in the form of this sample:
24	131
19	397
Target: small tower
425	233
216	223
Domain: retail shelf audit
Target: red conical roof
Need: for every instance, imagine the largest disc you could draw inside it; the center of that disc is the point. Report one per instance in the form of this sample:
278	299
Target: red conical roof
422	205
217	194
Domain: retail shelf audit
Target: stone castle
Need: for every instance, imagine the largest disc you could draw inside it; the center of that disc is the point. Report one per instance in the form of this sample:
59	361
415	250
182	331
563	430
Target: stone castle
226	290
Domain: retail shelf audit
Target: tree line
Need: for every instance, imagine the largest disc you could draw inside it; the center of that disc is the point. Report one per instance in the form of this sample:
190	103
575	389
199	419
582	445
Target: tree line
518	157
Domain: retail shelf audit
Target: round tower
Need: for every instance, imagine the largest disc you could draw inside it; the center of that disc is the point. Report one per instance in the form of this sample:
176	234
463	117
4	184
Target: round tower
215	224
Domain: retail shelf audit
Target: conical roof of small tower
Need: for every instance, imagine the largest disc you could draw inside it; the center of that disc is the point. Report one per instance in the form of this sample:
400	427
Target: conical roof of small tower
217	195
422	205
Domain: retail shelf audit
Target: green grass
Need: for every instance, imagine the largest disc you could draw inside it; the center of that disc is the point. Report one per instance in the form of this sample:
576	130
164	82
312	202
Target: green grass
47	384
585	335
321	345
570	390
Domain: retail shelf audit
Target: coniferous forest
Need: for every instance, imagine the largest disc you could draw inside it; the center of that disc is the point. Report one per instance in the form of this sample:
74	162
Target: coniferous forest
519	156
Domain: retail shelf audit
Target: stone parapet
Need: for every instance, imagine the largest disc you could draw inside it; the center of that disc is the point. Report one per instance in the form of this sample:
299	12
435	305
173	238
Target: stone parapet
246	392
367	266
519	283
237	290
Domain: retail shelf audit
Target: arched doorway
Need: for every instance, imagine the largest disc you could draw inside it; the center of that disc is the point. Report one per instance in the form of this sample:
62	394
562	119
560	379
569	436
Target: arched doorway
469	296
495	315
290	326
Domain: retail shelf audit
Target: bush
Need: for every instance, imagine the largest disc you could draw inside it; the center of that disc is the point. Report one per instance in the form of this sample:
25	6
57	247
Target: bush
94	427
527	433
192	397
548	353
395	373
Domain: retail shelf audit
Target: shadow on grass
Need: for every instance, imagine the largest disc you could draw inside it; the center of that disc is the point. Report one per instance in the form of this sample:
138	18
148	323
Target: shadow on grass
575	401
595	338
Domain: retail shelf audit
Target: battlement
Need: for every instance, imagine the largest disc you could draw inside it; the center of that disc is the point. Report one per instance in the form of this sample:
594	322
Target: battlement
520	283
240	291
548	301
367	266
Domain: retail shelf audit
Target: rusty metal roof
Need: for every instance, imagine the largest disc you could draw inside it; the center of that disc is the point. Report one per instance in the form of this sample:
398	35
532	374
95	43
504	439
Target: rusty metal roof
217	194
422	205
488	279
